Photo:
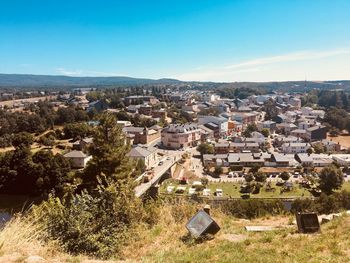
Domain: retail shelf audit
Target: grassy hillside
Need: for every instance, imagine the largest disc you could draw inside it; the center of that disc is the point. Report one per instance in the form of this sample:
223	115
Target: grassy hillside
167	241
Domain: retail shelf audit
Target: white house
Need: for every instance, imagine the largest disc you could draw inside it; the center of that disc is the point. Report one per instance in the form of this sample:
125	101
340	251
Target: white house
297	147
78	159
147	154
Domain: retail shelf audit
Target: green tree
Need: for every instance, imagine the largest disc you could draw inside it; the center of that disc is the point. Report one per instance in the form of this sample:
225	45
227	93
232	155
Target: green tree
52	172
248	131
265	132
205	148
76	130
260	177
319	148
22	139
249	177
285	176
109	154
330	179
218	171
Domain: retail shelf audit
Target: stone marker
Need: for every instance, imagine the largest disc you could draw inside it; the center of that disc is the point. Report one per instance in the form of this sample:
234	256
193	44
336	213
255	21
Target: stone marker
201	224
260	228
322	219
307	222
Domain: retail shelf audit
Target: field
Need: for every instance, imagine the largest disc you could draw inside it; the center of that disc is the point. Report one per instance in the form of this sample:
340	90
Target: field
232	190
10	103
343	140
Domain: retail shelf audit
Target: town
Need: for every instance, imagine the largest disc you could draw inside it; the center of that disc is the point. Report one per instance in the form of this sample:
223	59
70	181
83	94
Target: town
212	144
174	131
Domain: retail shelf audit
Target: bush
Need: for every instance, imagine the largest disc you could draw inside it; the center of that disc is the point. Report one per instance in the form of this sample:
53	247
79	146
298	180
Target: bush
236	168
253	208
325	204
97	225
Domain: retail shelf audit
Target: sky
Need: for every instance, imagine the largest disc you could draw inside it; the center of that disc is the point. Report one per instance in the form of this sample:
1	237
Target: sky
200	40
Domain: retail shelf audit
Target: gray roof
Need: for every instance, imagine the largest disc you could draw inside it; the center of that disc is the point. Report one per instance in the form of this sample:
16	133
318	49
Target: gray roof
139	151
314	128
133	129
181	128
284	157
75	154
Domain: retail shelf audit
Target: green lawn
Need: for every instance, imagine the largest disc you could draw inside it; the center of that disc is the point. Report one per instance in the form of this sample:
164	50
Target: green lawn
232	190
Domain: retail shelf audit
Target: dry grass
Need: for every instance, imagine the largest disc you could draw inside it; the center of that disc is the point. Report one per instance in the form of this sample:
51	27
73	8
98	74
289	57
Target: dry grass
167	241
23	237
164	242
20	238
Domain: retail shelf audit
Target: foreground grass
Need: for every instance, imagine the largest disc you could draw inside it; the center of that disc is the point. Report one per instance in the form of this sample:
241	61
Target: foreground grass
167	241
164	243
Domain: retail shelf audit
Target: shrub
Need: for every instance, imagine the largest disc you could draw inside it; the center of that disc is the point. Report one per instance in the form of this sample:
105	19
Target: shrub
252	208
236	168
96	225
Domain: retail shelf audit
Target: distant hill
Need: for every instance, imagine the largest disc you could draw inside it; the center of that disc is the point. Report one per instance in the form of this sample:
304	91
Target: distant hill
10	81
24	80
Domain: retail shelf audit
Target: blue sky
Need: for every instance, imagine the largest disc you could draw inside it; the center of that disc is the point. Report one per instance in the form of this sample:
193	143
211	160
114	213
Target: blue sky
214	40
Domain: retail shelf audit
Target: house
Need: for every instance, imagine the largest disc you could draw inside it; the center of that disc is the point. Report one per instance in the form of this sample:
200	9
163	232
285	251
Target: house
178	136
300	133
296	147
143	135
280	118
206	133
78	159
259	141
284	160
286	139
212	160
342	159
244	147
245	117
330	145
83	144
136	100
145	110
235	159
295	102
246	159
286	128
270	125
316	160
317	133
214	127
147	154
219	124
222	147
98	105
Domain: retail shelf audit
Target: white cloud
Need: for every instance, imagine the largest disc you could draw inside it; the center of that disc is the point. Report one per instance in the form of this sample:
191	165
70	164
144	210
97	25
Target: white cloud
291	66
86	73
63	71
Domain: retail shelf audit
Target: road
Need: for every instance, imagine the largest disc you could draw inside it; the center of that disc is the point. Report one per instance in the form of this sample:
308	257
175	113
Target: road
168	161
